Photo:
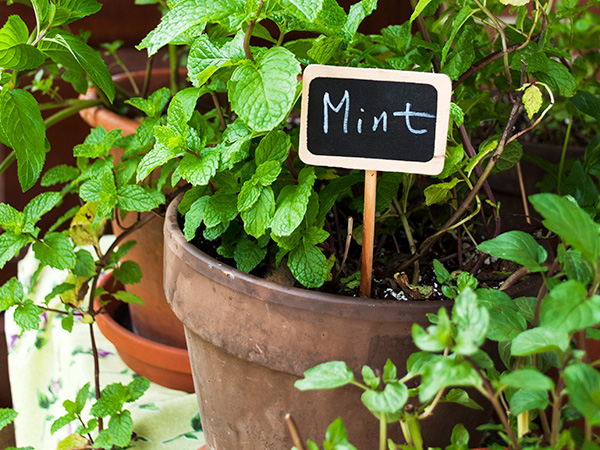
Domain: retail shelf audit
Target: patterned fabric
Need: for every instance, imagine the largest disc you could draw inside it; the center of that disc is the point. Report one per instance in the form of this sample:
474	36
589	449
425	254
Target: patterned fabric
50	365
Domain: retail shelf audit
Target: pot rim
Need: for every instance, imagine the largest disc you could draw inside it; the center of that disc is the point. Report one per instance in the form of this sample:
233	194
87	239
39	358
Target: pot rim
291	296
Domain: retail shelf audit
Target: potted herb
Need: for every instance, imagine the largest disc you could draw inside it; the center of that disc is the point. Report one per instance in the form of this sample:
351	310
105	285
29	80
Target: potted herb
261	209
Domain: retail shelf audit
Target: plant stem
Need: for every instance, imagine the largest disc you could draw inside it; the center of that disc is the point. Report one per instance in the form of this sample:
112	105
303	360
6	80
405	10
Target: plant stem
561	165
556	407
147	76
71	111
215	100
382	432
12	156
96	368
289	420
173	65
250	30
488	391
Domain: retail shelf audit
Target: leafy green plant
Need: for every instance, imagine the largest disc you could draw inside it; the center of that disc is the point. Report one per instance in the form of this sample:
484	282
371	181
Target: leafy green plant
533	336
269	212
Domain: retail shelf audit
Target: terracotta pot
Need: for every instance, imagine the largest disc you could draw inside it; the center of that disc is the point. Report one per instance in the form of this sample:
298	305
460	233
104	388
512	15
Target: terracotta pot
154	320
165	365
251	339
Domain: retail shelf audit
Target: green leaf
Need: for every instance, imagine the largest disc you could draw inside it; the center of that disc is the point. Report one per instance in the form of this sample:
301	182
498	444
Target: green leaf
129	272
257	218
98	143
583	385
457	114
532	100
463	54
530	379
292	203
461	397
128	297
85	266
168	145
506	320
587	103
154	105
133	197
275	146
419	9
206	57
55	251
528	400
22	128
308	265
369	377
560	215
7	415
10	245
325	48
326	376
441	274
15	52
358	12
183	15
61	422
10	219
471	321
438	337
11	293
463	15
89	60
566	308
221	207
575	265
194	217
27	315
59	174
336	437
446	372
248	254
519	247
120	428
111	401
37	207
262	93
539	340
71	10
439	192
558	78
390	401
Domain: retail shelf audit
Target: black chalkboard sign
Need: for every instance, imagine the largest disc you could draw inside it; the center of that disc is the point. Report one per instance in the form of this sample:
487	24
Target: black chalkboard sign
374	119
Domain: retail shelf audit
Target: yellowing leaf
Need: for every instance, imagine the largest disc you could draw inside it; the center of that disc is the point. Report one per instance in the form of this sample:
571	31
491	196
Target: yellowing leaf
532	99
515	2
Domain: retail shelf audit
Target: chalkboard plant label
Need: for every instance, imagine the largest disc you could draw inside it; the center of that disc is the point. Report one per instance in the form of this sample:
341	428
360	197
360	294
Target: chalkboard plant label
374	119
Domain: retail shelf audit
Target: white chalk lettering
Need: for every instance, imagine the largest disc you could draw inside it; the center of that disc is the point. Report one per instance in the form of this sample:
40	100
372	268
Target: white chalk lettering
408	114
327	104
382	118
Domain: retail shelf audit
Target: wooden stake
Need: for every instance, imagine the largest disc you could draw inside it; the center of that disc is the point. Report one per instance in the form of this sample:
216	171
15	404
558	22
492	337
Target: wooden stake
366	270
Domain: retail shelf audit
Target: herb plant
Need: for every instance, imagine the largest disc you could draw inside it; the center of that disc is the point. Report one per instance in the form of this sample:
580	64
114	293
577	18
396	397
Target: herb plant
534	335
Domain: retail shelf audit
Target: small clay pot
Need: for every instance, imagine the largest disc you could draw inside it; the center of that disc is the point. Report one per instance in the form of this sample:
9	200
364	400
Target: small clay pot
165	365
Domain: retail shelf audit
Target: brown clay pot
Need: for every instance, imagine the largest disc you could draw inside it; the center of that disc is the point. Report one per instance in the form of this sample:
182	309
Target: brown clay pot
154	320
162	364
251	339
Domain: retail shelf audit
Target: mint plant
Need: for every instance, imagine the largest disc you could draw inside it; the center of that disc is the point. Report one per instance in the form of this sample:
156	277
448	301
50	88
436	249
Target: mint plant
533	335
40	56
269	212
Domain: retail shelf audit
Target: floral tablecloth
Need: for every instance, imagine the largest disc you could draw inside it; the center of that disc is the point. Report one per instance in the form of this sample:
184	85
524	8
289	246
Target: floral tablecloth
49	366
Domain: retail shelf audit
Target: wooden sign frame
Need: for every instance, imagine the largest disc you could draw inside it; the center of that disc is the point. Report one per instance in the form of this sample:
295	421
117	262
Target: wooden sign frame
440	82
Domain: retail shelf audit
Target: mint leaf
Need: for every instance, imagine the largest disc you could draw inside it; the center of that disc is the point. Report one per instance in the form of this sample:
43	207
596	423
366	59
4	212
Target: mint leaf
11	219
7	415
220	208
583	384
262	93
248	254
587	103
37	207
306	10
358	12
59	174
10	245
292	203
15	52
257	218
328	375
169	144
133	197
89	60
68	11
128	297
11	293
199	171
154	105
390	401
308	265
98	143
532	100
194	217
55	251
526	379
111	401
558	78
275	146
566	308
183	15
22	128
128	272
519	247
206	57
560	214
27	315
120	427
439	192
539	340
